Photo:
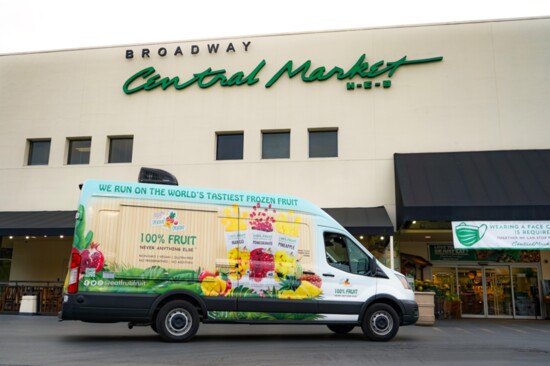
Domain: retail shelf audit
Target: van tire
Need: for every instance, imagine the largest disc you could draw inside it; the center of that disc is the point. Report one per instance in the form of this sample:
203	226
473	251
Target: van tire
380	323
177	321
341	328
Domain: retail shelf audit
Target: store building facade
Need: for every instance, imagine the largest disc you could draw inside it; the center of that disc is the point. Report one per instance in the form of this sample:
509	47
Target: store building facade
398	132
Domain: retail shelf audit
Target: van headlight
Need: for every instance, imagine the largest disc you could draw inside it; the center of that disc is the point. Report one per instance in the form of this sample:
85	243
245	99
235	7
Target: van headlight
403	280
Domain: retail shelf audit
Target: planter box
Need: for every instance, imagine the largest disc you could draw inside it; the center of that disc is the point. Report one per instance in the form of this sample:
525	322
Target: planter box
426	306
451	310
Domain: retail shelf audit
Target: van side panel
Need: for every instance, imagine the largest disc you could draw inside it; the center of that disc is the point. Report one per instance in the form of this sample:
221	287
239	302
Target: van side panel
242	261
181	237
148	246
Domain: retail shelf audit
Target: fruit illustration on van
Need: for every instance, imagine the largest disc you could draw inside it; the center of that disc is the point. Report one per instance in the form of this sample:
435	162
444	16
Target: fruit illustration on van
92	258
313	279
297	289
262	220
239	262
205	274
214	285
284	264
261	263
170	220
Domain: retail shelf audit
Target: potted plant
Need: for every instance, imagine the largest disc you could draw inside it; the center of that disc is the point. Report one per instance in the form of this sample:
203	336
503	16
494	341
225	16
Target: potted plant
446	303
451	306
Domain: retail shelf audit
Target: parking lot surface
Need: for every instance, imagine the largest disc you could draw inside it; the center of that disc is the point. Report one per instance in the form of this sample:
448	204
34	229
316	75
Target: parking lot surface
43	340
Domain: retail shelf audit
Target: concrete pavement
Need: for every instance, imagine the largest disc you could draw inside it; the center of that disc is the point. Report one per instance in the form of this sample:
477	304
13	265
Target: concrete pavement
42	340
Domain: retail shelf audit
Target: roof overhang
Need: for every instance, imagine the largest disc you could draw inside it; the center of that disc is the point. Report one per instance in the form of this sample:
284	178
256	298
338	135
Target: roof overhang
18	223
363	220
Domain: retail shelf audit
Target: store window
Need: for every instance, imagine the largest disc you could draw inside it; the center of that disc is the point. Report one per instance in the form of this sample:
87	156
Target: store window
6	250
229	146
79	151
276	145
39	152
120	149
526	291
323	143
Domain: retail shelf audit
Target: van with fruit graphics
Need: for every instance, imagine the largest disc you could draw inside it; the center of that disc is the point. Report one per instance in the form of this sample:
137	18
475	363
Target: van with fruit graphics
171	257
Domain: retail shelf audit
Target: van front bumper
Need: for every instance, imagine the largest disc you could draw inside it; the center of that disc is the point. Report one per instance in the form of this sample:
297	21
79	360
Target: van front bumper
410	312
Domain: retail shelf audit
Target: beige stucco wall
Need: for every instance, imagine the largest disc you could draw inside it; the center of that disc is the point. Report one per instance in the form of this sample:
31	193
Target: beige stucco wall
490	92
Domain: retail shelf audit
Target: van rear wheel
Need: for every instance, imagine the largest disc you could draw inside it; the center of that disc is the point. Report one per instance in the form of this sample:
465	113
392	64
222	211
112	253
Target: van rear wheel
177	321
380	323
341	328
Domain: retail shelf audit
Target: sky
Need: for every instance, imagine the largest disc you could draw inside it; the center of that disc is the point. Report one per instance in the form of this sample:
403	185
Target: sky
46	25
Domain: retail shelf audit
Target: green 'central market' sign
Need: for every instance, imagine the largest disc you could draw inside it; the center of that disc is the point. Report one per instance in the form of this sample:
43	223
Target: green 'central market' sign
149	79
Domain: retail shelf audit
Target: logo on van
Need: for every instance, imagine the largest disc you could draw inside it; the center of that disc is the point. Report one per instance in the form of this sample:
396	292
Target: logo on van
168	220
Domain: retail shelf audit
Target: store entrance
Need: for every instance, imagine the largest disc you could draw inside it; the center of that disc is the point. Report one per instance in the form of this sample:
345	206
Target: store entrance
526	292
494	291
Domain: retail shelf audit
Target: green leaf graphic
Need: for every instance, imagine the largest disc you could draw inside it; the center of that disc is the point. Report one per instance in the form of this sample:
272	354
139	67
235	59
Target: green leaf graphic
88	239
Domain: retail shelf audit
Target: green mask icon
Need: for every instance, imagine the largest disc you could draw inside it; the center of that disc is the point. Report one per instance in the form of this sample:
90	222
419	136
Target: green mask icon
468	235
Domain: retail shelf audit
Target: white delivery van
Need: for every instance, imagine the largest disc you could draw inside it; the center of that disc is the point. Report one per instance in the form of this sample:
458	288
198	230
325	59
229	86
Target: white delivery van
171	257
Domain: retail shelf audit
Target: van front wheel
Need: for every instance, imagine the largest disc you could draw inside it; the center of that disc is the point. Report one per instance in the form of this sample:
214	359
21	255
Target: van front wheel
177	321
380	323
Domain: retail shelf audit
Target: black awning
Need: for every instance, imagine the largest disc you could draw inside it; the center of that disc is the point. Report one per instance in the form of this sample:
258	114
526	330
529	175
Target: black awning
363	220
483	185
18	223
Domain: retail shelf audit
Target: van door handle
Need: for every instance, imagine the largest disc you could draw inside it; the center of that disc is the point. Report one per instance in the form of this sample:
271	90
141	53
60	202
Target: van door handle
308	272
328	275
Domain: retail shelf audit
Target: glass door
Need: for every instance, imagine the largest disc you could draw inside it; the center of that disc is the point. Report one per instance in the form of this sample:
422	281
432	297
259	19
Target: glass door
447	305
495	291
526	292
470	287
498	289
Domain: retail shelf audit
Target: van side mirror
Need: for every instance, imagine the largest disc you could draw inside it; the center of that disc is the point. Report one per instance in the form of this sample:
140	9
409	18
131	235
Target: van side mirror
372	266
367	267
